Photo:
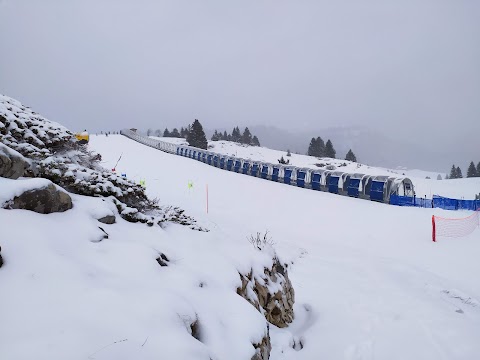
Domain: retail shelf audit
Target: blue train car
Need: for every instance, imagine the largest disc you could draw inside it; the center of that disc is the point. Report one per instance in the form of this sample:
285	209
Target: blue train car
237	165
246	167
266	171
303	177
222	162
229	165
255	169
288	174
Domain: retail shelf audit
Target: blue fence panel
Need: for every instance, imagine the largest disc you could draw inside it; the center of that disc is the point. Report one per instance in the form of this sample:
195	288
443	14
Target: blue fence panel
254	170
222	162
401	200
215	161
209	159
229	164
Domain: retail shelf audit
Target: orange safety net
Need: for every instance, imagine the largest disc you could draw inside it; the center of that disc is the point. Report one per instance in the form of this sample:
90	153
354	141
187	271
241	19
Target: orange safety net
454	227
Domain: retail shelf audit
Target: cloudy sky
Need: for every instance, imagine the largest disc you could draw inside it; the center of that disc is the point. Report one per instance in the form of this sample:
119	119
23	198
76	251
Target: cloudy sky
409	69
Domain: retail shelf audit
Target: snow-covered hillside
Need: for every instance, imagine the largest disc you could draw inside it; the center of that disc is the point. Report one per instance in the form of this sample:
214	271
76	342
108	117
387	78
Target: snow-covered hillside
459	189
370	283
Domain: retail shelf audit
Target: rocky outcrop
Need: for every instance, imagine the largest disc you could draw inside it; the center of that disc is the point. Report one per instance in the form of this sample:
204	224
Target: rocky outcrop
44	200
107	220
271	293
262	349
12	163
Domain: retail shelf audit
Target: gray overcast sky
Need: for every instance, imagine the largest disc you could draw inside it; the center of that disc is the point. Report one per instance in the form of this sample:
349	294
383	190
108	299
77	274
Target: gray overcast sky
410	68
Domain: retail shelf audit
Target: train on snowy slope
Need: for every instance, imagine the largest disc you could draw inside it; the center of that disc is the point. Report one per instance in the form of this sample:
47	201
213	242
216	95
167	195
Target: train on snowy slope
369	187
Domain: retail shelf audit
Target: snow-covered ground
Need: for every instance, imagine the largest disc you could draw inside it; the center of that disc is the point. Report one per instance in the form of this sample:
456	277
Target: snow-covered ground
458	189
370	283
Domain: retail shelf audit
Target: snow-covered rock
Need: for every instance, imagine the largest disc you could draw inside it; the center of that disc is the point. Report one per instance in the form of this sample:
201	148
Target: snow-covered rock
43	198
271	293
12	163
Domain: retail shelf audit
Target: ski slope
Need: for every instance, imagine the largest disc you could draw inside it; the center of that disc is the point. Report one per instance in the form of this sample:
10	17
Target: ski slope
455	188
369	282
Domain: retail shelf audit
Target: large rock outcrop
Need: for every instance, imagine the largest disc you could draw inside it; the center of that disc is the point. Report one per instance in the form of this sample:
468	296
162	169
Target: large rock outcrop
44	200
271	293
12	163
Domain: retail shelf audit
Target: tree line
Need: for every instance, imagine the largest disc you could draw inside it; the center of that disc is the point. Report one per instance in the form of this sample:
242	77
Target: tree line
236	136
319	148
472	171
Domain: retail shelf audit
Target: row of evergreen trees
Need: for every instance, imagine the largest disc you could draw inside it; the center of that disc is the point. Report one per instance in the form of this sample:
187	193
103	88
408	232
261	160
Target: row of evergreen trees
236	136
456	172
318	148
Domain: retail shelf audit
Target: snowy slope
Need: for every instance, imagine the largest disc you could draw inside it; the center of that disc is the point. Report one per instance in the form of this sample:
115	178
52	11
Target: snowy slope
461	189
369	282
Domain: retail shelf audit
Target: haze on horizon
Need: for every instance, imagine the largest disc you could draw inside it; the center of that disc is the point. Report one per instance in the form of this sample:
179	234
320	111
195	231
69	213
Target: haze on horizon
408	71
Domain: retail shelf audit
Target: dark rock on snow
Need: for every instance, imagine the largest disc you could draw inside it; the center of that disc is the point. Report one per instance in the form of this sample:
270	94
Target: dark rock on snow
44	200
108	220
12	163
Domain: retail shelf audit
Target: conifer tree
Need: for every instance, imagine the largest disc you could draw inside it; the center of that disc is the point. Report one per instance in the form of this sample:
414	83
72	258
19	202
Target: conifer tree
175	133
215	136
166	133
351	156
225	136
453	172
472	171
478	169
255	141
459	173
311	147
246	137
329	150
158	133
321	149
149	132
196	137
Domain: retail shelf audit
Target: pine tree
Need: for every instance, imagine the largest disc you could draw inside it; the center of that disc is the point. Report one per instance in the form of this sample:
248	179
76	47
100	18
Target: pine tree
166	133
225	136
478	169
246	137
472	171
175	133
311	147
196	137
321	149
329	150
215	136
439	177
459	173
255	141
289	153
149	132
453	172
158	133
236	136
351	156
